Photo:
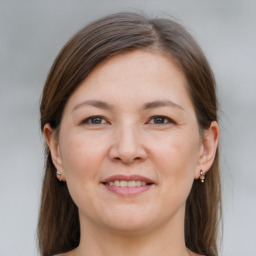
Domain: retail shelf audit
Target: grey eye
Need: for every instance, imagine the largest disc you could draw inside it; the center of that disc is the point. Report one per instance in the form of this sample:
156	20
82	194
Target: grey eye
160	120
94	120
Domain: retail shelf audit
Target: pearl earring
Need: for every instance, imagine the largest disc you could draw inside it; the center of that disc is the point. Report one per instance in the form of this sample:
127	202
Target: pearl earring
202	176
59	175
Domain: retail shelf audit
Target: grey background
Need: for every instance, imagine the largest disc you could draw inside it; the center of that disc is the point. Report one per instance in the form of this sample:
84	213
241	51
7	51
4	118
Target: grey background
31	35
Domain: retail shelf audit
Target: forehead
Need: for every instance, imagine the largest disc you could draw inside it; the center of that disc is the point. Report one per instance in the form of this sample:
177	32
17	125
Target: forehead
137	75
141	64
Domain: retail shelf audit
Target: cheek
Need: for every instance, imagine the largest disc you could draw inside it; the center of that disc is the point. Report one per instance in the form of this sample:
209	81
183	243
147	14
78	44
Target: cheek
176	173
176	158
81	156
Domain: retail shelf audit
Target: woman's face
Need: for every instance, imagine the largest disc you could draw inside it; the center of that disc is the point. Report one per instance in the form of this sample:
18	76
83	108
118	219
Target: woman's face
129	145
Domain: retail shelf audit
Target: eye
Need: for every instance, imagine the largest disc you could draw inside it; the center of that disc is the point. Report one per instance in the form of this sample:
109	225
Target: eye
160	120
94	120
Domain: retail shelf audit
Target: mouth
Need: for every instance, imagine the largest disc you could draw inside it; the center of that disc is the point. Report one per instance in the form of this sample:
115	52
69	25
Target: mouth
127	185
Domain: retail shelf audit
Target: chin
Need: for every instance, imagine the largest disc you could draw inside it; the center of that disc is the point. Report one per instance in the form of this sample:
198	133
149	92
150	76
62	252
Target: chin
129	227
129	219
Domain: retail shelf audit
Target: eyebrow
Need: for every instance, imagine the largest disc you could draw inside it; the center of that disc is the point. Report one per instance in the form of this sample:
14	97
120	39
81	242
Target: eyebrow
94	103
149	105
161	103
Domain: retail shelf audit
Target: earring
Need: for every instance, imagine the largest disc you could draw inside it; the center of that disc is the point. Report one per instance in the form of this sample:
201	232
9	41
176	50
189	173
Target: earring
202	176
59	175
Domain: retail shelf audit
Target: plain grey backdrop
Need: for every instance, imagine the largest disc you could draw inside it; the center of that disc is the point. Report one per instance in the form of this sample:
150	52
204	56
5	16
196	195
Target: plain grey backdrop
31	35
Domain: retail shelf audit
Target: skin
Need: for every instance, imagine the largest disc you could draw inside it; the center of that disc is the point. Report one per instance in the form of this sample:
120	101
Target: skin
127	140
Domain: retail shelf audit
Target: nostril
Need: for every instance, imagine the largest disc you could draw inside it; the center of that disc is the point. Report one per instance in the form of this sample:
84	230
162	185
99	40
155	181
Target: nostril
137	159
124	153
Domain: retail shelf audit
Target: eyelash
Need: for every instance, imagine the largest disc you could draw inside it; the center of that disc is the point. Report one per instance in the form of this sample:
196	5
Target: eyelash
157	120
166	120
90	119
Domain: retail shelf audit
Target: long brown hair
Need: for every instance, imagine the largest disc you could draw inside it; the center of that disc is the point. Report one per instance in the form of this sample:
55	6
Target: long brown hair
58	227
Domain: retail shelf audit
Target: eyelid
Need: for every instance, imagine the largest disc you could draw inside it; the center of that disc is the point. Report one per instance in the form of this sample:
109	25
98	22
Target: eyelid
86	120
169	120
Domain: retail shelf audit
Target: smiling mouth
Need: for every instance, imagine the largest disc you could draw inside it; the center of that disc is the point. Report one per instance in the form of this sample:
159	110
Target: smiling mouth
127	185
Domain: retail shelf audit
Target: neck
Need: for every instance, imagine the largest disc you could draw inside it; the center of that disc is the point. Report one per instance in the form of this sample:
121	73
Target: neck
165	240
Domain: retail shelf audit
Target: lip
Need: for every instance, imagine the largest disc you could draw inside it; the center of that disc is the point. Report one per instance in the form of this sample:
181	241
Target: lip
128	191
128	178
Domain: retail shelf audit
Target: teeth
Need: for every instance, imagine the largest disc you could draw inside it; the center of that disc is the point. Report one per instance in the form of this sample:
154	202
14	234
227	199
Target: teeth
138	183
130	184
123	183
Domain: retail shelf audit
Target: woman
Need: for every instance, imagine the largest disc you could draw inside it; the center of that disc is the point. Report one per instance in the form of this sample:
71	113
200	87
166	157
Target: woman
129	114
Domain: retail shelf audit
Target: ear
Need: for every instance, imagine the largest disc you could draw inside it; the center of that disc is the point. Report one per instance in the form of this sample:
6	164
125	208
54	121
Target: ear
208	148
53	144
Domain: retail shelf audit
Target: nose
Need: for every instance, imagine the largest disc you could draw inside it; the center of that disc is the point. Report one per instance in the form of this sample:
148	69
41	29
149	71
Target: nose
128	147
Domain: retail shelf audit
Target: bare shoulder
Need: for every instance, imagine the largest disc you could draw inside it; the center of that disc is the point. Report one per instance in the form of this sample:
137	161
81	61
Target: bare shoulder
70	253
195	254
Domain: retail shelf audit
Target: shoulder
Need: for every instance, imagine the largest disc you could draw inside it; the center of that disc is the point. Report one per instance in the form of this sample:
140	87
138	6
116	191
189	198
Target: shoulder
70	253
63	254
195	254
